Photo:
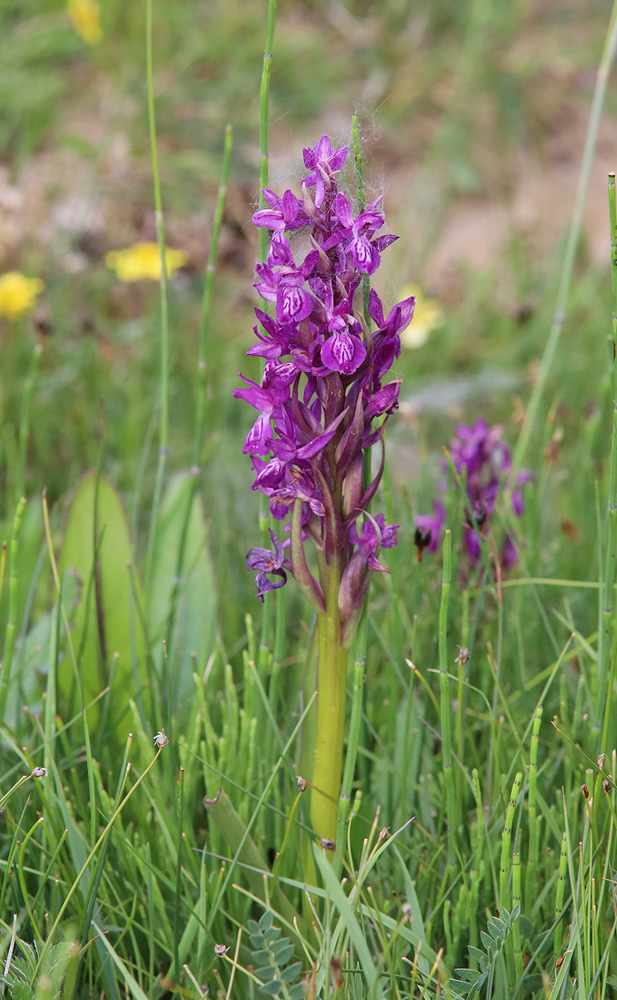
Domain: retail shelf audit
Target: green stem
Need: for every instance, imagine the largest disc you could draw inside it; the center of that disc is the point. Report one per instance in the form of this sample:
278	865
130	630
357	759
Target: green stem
164	347
355	726
11	625
603	694
331	687
446	704
24	421
552	342
264	93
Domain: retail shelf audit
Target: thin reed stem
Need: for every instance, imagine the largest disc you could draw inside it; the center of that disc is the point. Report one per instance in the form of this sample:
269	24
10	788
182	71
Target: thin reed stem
11	625
604	692
446	701
531	413
164	342
24	419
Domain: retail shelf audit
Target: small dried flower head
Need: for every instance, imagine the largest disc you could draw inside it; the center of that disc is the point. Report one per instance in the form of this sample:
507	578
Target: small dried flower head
301	782
220	949
335	965
328	844
161	739
606	785
39	772
601	760
585	791
406	908
463	655
421	540
428	316
18	294
142	262
383	833
86	18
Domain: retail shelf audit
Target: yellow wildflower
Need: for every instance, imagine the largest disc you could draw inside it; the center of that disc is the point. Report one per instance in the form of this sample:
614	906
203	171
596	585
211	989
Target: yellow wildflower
86	18
17	293
142	262
428	315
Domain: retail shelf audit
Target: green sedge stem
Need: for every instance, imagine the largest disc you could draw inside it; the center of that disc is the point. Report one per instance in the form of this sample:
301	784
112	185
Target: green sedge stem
11	625
603	693
264	109
206	304
608	55
24	421
84	867
164	345
445	701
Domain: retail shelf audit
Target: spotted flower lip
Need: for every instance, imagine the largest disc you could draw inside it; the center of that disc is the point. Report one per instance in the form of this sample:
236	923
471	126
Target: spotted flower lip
324	397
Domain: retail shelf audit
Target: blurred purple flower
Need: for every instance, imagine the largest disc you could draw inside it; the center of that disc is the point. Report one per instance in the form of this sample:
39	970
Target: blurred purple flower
483	462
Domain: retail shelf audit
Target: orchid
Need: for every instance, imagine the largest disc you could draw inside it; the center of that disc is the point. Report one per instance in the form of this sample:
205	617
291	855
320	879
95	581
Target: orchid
323	402
483	463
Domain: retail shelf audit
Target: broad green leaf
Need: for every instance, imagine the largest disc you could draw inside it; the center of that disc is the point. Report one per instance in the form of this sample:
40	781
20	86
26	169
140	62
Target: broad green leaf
106	621
182	594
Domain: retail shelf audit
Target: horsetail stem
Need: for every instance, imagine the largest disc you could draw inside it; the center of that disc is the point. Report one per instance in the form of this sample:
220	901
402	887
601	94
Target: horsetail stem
504	866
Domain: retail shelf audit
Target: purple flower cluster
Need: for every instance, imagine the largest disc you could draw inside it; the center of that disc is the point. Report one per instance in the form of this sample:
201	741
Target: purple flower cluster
483	462
324	398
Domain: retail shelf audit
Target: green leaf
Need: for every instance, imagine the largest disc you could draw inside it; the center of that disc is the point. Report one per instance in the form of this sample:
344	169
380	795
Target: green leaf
471	975
282	951
265	973
272	934
272	989
497	929
478	955
487	942
103	625
196	596
291	972
261	954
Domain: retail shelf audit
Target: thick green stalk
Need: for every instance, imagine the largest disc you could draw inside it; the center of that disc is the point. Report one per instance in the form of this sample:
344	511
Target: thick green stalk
355	726
331	686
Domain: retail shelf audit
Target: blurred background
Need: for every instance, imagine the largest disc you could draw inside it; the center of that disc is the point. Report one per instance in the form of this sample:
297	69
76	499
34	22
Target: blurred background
473	118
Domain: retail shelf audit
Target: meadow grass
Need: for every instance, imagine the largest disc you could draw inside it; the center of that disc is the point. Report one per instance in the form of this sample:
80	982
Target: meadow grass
155	837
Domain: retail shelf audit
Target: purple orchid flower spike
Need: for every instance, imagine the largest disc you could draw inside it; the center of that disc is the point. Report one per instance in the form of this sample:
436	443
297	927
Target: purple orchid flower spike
483	462
323	402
